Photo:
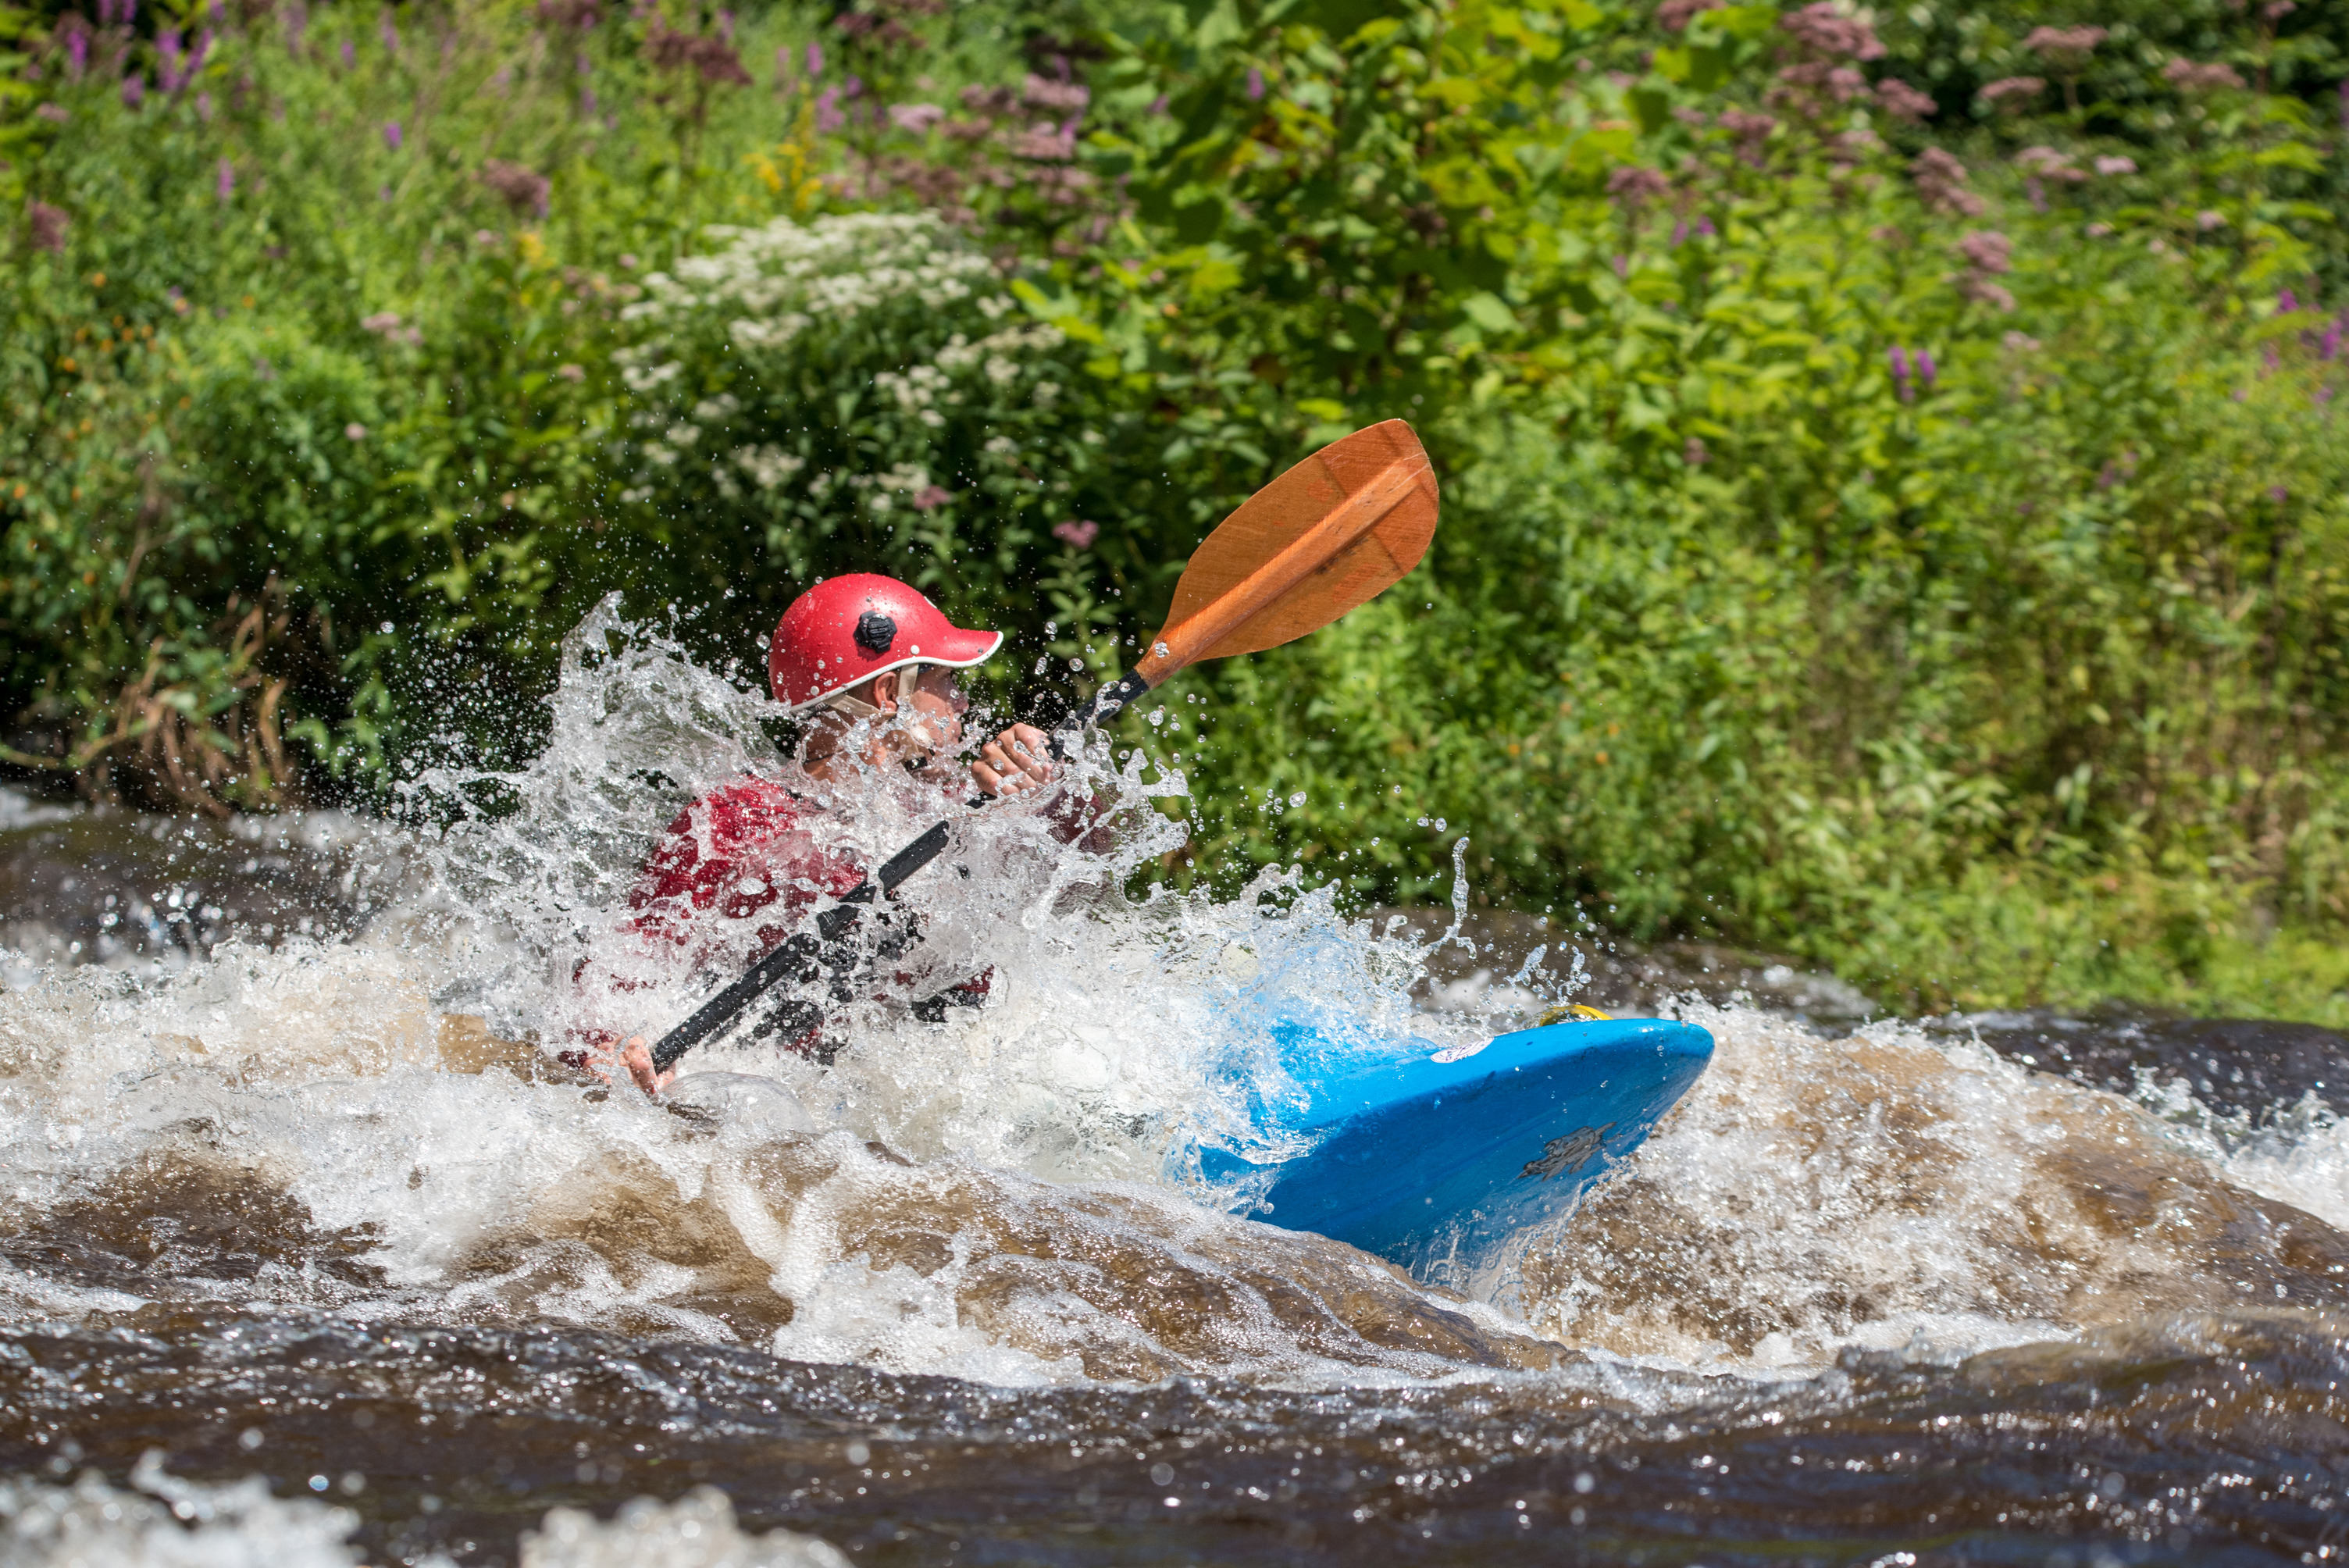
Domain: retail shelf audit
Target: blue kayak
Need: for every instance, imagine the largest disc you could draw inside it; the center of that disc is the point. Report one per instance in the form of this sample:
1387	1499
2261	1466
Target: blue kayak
1436	1165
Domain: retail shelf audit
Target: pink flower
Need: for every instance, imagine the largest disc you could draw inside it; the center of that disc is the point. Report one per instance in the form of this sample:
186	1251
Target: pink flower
1986	250
816	59
2069	48
134	91
570	373
392	134
1635	186
1941	183
1903	101
55	113
2015	92
1078	535
48	226
929	498
355	432
2116	165
1822	27
1255	84
2187	77
225	183
916	117
1054	98
1674	16
828	117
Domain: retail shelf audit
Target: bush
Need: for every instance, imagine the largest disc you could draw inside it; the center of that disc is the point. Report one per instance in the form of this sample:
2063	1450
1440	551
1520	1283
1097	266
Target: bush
1886	519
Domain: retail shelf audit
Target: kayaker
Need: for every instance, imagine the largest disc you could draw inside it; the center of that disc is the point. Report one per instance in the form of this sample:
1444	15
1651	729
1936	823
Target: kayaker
871	664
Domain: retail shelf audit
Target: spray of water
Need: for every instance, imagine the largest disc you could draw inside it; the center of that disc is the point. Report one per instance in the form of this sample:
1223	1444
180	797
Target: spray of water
1013	1194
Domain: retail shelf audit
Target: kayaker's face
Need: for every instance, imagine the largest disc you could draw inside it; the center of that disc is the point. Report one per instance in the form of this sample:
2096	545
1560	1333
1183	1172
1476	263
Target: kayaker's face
937	707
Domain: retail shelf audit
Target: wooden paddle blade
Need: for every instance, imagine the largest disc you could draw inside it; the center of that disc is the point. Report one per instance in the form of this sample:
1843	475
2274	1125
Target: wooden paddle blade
1332	532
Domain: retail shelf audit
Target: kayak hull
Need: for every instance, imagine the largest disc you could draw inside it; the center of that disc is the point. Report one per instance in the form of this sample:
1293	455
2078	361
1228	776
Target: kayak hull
1437	1165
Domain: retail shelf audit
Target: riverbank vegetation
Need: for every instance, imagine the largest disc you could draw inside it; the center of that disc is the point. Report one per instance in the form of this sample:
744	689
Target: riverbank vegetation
1895	488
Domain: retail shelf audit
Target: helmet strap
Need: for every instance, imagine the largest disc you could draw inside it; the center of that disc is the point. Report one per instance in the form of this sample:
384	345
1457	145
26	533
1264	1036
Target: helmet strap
854	707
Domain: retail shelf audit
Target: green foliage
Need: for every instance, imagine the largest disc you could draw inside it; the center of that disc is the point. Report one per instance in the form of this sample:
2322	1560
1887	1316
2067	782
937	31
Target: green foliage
1911	539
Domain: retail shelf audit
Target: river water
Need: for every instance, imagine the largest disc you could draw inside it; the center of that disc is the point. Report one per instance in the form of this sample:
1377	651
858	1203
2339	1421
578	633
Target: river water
312	1252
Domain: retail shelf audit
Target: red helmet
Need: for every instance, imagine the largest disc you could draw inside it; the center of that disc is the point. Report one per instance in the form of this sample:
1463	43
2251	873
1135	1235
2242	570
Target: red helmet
845	631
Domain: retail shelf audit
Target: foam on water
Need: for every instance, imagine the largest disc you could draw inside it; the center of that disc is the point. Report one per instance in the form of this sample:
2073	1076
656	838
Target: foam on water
1014	1195
162	1521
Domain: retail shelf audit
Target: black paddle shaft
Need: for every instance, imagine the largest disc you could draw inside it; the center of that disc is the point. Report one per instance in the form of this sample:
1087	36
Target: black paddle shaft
800	959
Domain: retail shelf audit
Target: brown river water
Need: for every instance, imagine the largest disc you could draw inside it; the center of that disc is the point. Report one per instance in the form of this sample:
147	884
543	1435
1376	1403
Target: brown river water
313	1253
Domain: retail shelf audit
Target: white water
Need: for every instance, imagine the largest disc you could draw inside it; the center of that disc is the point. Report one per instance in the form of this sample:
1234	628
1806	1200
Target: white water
1891	1192
161	1521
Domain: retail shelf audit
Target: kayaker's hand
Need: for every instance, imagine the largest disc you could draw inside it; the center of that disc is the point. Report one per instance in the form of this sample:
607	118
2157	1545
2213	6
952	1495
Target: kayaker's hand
1019	759
638	1057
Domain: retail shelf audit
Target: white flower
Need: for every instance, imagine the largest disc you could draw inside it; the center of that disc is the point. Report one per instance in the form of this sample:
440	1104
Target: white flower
718	409
768	465
686	435
650	377
1001	447
1000	370
1045	392
657	453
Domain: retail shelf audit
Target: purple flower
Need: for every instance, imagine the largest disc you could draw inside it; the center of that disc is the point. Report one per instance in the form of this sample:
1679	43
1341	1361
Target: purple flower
204	47
828	117
1255	84
1900	374
2287	302
204	108
297	21
2277	494
350	55
76	53
816	59
48	226
587	101
225	183
386	31
391	137
1078	535
1926	369
1679	233
2332	343
167	56
134	91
